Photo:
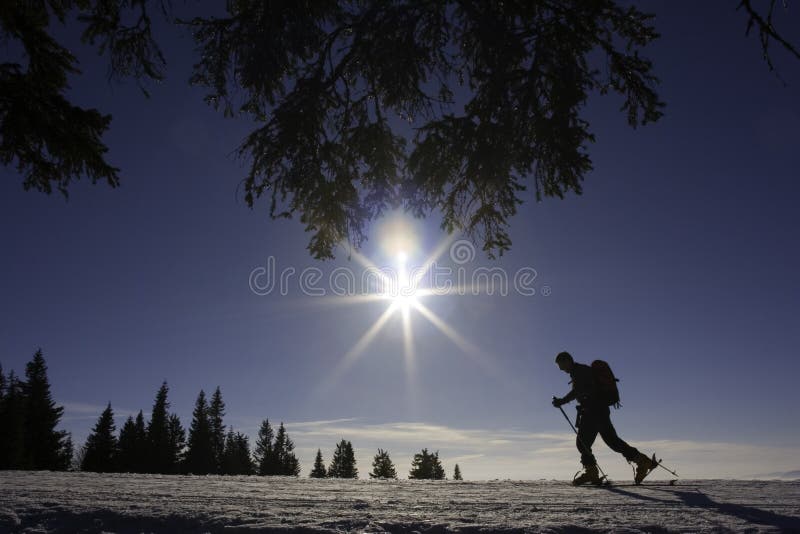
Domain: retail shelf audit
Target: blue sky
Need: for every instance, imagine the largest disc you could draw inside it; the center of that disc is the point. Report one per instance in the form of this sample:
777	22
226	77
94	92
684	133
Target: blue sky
678	265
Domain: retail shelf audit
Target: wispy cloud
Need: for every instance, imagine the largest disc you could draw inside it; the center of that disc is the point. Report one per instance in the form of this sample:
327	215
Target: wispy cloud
77	411
511	453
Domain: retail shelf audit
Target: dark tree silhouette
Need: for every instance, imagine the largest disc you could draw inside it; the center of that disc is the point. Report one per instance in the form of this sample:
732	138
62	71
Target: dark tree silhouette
48	448
343	464
766	30
495	93
283	450
457	473
264	454
236	458
13	454
100	453
216	411
426	466
160	456
133	446
46	137
176	444
200	453
319	470
382	466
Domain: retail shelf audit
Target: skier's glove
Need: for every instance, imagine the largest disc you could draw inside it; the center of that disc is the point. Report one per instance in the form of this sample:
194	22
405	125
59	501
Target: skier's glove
557	402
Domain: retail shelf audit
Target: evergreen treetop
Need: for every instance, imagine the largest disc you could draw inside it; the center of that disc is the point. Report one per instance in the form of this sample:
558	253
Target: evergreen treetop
47	447
457	473
236	458
382	466
264	453
426	466
101	451
216	413
158	434
343	464
200	458
319	470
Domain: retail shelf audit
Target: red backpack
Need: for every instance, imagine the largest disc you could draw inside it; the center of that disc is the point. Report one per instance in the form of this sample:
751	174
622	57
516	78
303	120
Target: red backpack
606	383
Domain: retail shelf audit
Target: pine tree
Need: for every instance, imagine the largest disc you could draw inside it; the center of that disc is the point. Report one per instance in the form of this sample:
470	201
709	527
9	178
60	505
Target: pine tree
438	470
13	454
159	457
245	457
141	447
457	473
343	464
177	443
382	466
200	454
228	466
101	449
236	458
216	412
319	467
4	434
426	466
125	444
264	453
283	450
133	445
47	446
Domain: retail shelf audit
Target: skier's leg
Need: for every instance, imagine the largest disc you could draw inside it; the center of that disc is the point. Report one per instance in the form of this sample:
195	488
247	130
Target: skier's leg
609	435
644	465
587	433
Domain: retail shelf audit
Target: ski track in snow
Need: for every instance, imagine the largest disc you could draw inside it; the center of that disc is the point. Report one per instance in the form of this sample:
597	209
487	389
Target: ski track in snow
87	502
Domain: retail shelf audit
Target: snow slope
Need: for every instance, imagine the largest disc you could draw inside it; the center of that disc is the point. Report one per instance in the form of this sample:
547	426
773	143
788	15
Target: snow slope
87	502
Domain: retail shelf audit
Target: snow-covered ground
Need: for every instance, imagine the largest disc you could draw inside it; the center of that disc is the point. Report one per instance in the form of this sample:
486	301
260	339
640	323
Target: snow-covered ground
85	502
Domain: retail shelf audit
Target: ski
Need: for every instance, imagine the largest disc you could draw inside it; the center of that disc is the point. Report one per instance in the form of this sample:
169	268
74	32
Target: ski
632	484
651	485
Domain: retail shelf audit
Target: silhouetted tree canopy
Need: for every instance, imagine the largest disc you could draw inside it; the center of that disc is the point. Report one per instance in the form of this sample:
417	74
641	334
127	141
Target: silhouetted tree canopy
200	458
319	470
236	458
382	466
47	447
457	473
493	95
216	411
426	466
264	453
101	450
343	464
160	457
283	450
12	426
133	446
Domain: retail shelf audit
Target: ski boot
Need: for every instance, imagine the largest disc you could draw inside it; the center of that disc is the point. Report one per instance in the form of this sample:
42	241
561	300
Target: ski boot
644	466
590	475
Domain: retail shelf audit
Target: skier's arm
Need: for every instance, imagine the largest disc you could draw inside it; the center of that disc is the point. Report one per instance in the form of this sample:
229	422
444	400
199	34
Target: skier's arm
569	397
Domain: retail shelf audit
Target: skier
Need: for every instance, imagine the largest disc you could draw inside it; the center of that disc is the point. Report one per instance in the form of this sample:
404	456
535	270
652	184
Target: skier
594	416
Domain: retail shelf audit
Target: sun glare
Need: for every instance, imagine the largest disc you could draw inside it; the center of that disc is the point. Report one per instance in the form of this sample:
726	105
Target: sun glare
400	286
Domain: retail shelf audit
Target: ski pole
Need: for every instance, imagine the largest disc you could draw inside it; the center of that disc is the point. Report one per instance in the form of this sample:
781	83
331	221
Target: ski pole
581	441
667	469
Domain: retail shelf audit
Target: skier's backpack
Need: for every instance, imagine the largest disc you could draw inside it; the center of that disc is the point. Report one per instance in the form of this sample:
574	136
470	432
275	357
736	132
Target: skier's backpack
606	383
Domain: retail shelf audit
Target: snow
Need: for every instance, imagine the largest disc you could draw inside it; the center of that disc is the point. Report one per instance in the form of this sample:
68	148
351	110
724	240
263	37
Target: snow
88	502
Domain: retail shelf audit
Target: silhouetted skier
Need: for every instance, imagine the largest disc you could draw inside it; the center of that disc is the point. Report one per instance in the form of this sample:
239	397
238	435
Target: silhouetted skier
594	416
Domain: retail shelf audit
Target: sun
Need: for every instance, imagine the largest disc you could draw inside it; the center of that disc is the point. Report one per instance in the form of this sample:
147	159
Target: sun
400	285
402	289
